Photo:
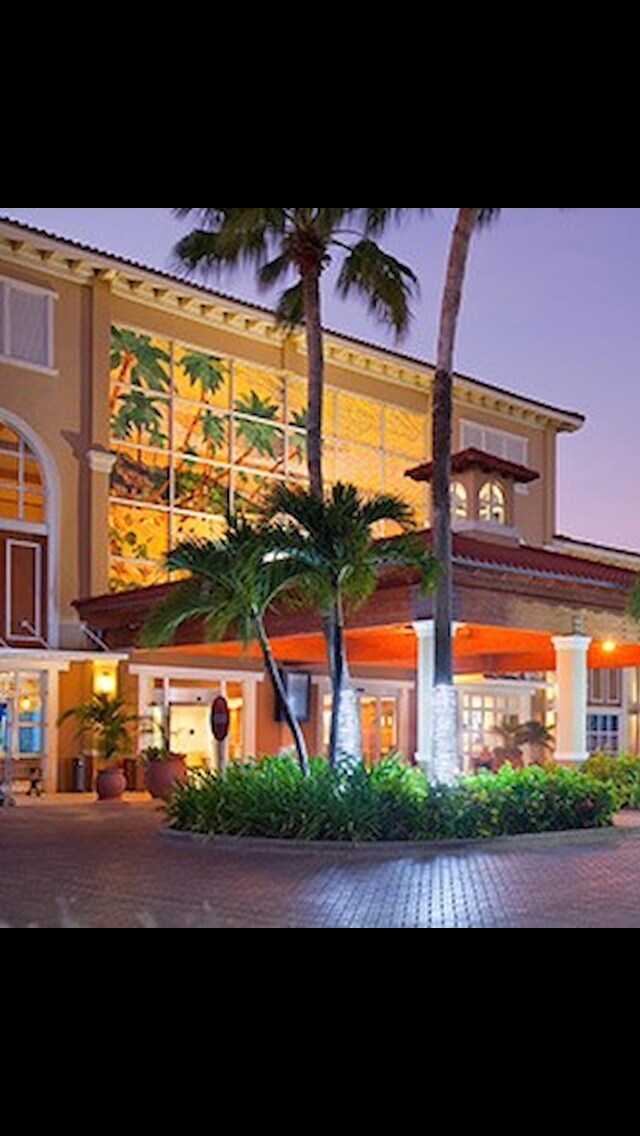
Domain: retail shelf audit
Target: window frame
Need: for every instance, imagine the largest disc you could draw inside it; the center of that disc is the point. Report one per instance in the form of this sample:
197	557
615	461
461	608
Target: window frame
9	284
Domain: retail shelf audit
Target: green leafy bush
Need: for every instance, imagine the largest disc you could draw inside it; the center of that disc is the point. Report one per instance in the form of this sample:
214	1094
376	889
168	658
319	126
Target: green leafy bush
391	802
621	773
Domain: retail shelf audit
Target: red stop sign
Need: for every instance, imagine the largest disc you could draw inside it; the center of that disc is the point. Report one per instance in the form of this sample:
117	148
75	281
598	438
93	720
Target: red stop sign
220	719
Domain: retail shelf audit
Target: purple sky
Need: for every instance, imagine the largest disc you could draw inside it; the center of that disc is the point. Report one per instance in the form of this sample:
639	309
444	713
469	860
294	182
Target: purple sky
551	311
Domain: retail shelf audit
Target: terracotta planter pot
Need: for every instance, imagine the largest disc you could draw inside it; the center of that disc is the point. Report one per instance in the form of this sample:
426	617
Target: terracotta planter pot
162	776
110	785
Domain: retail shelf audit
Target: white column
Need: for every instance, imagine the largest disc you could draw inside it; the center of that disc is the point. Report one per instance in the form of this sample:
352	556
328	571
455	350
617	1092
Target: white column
250	717
572	681
425	631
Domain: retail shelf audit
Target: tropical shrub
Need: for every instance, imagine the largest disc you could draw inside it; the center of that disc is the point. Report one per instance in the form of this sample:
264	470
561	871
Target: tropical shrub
391	802
622	774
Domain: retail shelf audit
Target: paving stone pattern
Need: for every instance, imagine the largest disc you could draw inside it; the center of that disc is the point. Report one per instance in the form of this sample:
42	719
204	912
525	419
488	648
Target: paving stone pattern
74	863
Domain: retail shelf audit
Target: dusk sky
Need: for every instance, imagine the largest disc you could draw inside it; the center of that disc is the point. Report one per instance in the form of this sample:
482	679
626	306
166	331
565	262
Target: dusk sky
551	310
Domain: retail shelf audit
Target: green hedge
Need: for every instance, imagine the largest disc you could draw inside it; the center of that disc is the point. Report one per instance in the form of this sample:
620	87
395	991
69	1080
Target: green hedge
390	803
621	774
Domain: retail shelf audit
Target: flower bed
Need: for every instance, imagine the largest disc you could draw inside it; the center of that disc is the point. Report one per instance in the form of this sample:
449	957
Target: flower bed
392	802
621	774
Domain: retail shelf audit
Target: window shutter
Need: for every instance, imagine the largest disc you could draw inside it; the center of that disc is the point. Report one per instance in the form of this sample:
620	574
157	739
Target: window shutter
29	323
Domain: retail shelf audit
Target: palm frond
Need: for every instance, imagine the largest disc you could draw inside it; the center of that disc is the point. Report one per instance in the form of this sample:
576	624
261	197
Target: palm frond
290	310
187	601
486	217
383	281
377	220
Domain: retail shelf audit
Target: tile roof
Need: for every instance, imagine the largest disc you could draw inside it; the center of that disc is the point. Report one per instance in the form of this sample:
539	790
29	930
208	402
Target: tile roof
478	459
525	559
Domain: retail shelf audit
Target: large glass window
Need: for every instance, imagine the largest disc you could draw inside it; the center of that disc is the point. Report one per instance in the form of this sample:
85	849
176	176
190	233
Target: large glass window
196	435
603	733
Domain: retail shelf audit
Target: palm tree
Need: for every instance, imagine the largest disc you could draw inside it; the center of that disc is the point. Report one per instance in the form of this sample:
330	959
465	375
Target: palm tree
278	242
446	756
332	543
231	586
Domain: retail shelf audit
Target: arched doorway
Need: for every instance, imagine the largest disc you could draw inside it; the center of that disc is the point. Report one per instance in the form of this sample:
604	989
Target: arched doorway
24	542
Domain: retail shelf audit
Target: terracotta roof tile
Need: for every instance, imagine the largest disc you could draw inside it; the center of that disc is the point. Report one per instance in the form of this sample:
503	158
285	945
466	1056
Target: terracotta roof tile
478	459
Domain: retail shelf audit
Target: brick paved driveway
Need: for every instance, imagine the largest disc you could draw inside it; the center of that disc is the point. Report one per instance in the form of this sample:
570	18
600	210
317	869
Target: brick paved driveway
69	862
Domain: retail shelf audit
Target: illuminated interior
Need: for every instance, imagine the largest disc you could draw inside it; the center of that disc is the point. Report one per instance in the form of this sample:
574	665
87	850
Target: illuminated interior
493	503
22	496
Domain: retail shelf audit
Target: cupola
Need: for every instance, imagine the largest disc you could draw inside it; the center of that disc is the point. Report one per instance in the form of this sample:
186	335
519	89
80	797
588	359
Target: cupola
483	489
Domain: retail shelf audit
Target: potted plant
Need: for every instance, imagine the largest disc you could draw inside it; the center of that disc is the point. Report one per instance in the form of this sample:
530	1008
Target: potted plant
539	741
107	721
163	767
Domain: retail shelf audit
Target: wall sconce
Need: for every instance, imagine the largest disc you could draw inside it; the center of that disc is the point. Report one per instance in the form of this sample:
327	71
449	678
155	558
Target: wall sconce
25	705
106	683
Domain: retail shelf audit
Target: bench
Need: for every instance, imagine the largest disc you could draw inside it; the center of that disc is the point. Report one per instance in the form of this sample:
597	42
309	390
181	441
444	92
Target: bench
25	775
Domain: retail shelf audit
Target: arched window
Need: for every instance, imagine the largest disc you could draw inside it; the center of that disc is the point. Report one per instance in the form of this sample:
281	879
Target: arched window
459	502
25	567
22	492
493	503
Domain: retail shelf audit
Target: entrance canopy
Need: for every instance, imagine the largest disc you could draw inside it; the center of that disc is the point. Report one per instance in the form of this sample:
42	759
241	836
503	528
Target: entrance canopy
509	602
477	650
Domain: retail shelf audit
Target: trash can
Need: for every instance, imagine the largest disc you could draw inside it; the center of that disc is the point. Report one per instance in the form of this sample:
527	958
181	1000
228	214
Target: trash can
81	774
134	775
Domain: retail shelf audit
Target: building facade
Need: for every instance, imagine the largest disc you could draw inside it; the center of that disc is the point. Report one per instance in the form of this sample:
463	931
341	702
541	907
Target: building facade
136	409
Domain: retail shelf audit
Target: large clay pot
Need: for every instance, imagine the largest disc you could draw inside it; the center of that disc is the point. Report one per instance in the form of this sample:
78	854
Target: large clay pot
161	777
110	784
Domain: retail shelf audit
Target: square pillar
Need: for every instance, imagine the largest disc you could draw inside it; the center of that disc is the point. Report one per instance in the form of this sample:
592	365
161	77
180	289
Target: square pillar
572	681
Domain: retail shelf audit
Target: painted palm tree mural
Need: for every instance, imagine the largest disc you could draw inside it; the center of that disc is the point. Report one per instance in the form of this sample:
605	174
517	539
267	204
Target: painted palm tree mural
195	439
198	437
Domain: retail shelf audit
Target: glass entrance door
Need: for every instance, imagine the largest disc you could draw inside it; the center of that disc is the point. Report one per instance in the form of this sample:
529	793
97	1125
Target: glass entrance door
21	722
186	709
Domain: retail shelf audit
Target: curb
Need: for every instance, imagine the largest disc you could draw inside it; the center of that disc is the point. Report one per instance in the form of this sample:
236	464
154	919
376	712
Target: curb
252	844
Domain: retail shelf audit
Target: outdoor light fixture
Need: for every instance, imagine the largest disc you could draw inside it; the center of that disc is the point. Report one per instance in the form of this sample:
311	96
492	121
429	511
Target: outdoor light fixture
25	704
609	646
106	683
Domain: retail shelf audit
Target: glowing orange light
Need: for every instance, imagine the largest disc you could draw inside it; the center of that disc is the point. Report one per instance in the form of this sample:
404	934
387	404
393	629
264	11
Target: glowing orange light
25	704
609	646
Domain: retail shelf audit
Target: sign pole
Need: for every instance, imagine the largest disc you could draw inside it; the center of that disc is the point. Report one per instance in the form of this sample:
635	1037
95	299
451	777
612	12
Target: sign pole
220	724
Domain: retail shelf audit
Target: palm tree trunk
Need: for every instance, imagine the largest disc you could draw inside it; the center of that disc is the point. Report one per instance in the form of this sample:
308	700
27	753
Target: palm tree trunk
274	673
446	732
345	742
315	351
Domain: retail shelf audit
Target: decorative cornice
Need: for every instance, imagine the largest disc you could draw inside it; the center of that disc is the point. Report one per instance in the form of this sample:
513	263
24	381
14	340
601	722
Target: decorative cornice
100	461
67	260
